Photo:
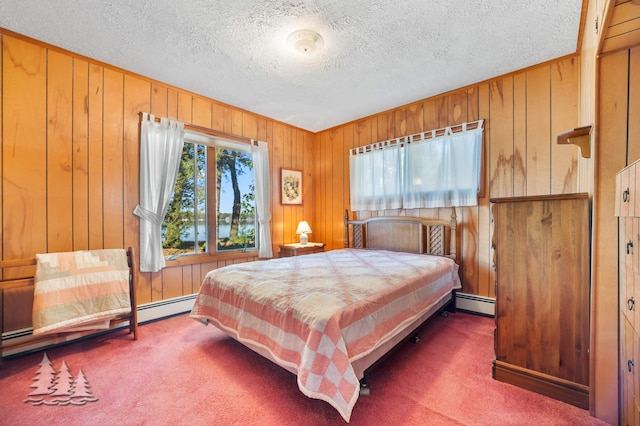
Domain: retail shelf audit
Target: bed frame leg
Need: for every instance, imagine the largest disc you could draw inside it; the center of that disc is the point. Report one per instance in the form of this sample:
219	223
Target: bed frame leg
364	388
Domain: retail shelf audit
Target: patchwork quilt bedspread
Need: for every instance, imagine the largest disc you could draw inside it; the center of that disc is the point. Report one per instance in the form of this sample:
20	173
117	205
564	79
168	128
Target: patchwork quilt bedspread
316	314
81	290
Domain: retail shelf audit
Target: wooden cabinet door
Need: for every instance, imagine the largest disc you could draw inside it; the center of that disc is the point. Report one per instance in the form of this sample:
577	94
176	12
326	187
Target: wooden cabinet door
542	277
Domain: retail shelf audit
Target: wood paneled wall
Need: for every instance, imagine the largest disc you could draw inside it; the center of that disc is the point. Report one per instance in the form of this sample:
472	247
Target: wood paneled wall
523	114
70	163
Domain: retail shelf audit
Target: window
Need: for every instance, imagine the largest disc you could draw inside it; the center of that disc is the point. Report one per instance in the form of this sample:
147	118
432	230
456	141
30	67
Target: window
213	200
441	171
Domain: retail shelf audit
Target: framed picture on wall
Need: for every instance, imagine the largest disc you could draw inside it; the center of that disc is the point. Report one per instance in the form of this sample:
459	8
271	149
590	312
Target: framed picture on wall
291	187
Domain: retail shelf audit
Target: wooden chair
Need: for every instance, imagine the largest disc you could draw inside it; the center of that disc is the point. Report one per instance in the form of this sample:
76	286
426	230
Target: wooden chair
131	317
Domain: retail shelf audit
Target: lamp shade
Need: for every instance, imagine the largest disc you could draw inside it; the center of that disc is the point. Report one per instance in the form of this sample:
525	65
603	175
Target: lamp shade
303	228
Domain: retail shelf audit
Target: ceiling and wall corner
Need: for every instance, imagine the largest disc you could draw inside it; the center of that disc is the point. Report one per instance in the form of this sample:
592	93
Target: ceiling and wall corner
376	54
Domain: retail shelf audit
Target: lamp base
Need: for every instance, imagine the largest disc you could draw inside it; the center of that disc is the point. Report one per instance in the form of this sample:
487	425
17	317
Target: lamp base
304	239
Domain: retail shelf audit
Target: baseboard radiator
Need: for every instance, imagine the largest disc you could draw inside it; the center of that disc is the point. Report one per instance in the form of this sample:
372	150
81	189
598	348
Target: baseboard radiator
19	339
18	342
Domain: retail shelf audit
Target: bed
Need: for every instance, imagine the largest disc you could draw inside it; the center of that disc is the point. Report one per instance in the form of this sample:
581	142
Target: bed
329	317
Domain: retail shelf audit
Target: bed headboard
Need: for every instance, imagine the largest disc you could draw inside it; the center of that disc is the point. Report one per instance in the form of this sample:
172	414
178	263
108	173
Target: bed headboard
403	233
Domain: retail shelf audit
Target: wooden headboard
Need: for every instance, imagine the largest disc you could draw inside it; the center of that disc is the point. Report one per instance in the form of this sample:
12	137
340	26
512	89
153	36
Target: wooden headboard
403	233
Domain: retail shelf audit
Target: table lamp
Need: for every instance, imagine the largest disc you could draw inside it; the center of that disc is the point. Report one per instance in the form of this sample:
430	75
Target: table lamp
303	230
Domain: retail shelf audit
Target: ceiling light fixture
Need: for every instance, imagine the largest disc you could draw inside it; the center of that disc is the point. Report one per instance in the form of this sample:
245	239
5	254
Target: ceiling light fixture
305	42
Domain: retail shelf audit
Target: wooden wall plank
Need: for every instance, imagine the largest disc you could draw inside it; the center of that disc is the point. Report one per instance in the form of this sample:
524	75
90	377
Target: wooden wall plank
501	148
400	123
172	104
339	159
201	110
391	125
329	180
485	255
318	186
457	112
381	128
297	162
137	98
96	90
430	111
564	115
634	105
217	117
277	215
227	124
538	131
24	142
347	137
308	165
469	234
172	282
287	211
113	161
236	122
159	100
249	126
188	282
185	108
415	118
519	134
59	152
80	158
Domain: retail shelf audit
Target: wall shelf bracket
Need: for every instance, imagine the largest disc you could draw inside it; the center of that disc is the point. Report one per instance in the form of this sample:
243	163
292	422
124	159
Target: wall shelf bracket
580	136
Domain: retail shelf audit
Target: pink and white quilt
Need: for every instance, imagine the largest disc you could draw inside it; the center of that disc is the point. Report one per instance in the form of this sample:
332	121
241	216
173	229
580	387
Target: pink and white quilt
81	290
318	313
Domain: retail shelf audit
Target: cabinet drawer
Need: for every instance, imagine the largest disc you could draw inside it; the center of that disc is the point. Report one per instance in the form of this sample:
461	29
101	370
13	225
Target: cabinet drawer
627	185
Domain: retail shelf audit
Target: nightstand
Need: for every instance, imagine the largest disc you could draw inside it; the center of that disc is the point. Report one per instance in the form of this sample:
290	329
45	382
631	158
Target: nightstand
288	250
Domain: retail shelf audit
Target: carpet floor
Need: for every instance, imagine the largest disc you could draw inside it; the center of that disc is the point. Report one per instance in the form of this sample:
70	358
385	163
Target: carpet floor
183	373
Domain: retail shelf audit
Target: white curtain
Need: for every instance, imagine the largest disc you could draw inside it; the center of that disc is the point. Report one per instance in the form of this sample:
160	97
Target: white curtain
443	171
440	171
376	178
262	183
160	154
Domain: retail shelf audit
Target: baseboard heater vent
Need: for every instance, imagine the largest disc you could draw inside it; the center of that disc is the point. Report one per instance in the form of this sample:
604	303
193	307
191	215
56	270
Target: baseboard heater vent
22	339
478	304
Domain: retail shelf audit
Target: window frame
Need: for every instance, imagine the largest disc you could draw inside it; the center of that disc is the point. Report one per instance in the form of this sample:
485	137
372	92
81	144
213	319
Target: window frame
212	142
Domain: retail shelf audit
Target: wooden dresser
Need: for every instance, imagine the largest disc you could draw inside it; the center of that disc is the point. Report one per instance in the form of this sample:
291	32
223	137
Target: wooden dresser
627	208
542	261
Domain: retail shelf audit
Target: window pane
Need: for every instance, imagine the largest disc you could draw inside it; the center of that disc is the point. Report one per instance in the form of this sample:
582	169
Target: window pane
236	201
184	230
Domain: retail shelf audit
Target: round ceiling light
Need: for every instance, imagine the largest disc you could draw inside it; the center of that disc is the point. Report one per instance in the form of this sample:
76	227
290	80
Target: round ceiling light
305	42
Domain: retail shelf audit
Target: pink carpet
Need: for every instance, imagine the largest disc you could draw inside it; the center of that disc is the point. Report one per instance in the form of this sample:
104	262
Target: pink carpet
183	373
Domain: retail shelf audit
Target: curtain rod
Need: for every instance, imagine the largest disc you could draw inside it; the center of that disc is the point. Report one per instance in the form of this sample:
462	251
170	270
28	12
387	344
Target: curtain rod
427	134
208	131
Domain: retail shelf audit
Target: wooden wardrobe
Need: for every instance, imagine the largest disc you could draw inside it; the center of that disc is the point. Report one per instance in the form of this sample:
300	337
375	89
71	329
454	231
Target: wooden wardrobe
541	256
627	208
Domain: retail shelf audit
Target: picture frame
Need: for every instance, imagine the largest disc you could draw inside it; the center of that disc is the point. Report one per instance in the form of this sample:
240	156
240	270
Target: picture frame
290	187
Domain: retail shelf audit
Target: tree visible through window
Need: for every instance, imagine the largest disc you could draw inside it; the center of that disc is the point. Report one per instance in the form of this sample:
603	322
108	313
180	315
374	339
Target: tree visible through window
230	195
235	201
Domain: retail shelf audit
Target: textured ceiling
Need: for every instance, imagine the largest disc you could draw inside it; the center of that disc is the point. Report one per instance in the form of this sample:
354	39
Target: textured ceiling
377	54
